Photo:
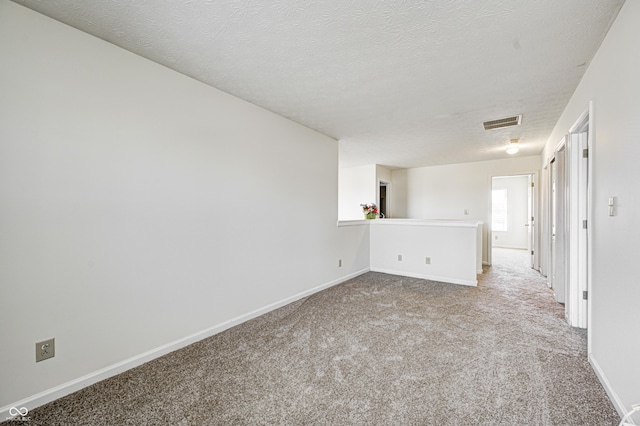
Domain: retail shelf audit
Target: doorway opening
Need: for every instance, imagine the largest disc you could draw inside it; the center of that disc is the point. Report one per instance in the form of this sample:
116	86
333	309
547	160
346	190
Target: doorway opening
558	222
513	216
383	199
570	218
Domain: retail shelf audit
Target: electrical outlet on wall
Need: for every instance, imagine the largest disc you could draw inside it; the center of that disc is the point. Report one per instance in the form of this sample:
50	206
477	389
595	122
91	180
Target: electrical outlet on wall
399	258
339	263
427	260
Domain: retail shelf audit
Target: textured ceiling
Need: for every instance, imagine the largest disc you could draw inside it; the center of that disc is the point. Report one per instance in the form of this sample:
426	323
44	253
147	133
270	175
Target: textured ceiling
398	83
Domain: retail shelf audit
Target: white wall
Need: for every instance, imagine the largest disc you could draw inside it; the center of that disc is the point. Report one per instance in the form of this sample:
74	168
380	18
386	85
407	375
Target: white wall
612	82
383	173
517	212
398	195
141	208
356	185
451	247
360	185
444	192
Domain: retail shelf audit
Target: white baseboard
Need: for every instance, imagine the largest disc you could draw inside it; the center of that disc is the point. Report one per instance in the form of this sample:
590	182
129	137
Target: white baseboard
471	283
509	247
75	385
613	396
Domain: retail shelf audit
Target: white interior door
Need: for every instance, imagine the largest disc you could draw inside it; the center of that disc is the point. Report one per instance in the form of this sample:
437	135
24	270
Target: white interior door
578	243
558	226
531	221
552	223
584	235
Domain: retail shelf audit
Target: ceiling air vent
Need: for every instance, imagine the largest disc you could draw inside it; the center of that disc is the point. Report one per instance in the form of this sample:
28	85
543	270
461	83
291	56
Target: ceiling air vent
503	122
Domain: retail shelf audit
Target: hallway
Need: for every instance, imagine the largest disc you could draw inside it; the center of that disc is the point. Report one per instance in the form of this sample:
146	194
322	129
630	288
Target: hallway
377	349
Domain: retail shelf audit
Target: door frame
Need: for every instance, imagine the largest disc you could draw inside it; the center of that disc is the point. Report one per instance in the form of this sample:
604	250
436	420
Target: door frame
582	318
557	231
387	203
575	256
536	204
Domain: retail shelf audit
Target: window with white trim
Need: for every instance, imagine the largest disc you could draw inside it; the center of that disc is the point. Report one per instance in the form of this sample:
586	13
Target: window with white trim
499	209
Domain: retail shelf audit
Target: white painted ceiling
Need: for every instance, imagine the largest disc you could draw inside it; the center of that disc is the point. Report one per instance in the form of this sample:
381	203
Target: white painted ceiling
398	83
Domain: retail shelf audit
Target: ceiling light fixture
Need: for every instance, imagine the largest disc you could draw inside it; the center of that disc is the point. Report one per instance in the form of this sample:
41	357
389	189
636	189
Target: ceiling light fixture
513	146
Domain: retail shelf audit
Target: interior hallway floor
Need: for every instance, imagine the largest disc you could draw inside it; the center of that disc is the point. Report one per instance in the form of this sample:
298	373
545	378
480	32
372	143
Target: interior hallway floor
377	349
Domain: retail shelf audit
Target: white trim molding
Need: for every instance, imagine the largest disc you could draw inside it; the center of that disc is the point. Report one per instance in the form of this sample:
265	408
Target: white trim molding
448	280
613	396
75	385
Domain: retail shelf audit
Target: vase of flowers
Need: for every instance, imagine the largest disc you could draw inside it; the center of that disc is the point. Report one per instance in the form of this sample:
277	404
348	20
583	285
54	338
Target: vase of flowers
370	211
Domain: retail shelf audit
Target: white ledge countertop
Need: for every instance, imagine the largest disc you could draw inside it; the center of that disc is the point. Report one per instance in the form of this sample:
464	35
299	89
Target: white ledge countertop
414	222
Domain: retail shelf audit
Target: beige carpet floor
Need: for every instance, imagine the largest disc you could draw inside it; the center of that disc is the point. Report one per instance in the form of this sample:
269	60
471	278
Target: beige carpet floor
376	350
